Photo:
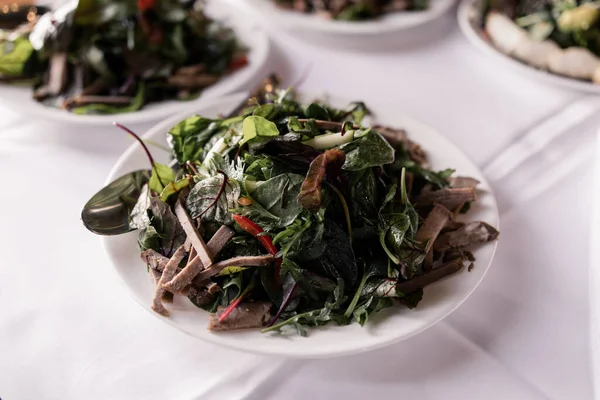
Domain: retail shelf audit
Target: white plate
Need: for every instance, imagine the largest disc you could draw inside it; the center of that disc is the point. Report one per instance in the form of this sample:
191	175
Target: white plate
249	33
311	26
468	16
391	325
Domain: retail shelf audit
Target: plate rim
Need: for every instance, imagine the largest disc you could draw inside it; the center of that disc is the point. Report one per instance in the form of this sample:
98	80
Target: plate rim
238	345
260	49
474	38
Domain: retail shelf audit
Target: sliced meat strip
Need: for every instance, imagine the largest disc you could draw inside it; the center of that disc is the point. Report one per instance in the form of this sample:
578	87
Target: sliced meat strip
154	259
219	240
192	255
451	198
431	228
167	275
200	297
463	182
244	316
197	81
185	277
195	265
473	233
429	277
452	226
437	218
192	233
167	297
241	261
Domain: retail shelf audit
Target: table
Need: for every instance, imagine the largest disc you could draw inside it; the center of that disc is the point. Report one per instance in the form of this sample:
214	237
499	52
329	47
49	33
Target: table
68	329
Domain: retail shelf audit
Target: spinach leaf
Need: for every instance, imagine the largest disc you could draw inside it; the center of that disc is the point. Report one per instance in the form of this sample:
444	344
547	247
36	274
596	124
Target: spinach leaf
369	149
398	224
317	111
412	299
188	138
161	176
302	239
165	233
255	126
278	196
337	259
308	128
268	111
212	198
363	194
262	168
257	214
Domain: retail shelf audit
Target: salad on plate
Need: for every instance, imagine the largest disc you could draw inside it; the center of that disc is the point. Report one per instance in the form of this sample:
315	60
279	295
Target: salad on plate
294	215
107	57
561	36
352	10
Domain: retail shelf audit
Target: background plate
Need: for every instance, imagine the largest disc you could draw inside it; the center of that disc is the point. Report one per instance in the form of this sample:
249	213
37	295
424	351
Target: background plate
312	27
389	326
249	33
468	15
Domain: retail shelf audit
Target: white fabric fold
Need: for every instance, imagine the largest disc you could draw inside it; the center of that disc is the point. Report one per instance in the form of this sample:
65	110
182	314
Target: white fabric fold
595	276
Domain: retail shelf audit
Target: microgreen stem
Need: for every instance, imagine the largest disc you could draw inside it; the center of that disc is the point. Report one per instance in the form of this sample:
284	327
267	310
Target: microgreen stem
345	208
148	154
287	321
139	139
157	145
404	195
354	301
284	304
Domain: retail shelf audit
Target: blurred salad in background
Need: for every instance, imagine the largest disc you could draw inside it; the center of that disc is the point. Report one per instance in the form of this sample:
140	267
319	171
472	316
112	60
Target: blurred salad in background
353	10
106	57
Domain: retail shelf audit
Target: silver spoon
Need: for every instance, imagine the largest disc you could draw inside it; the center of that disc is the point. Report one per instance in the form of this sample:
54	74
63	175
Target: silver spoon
107	212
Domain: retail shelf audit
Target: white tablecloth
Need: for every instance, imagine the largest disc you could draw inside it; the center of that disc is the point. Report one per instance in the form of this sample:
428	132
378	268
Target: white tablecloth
69	330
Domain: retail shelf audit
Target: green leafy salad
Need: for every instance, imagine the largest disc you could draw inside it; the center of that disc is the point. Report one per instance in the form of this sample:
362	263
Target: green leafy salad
109	56
297	215
353	10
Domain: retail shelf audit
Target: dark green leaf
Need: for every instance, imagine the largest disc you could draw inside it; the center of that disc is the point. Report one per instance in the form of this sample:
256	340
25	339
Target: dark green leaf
267	111
189	137
165	233
412	299
337	259
278	196
367	151
316	111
